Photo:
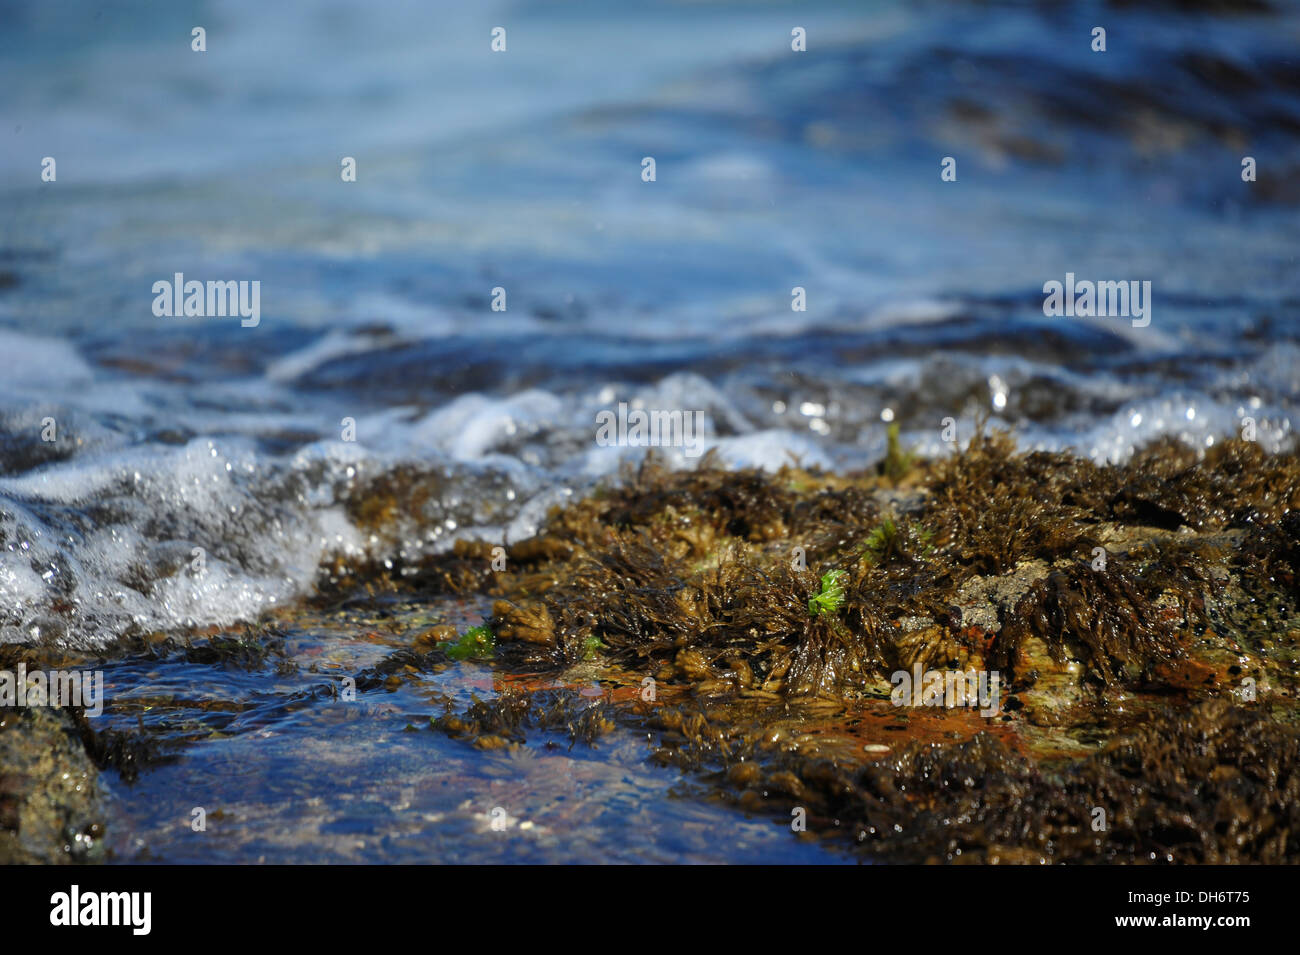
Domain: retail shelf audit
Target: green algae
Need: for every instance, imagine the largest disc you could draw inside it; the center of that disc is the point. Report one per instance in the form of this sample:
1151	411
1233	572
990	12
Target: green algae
831	596
476	643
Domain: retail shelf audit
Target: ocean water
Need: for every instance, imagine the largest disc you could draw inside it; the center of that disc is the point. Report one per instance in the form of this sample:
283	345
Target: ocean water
181	436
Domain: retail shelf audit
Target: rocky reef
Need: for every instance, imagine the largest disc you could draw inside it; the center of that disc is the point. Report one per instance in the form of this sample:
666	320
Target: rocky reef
1139	621
991	657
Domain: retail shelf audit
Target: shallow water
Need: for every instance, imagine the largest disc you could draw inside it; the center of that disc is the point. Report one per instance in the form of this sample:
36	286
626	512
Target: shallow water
185	438
284	771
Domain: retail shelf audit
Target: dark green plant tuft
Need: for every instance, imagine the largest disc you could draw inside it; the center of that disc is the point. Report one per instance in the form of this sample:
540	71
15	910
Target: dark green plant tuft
889	541
898	461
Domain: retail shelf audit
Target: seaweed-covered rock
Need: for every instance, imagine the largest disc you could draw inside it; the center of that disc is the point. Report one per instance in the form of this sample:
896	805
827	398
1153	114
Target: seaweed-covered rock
1137	617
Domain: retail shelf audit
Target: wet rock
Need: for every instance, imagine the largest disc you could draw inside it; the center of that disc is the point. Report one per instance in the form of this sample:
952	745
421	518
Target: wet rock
50	800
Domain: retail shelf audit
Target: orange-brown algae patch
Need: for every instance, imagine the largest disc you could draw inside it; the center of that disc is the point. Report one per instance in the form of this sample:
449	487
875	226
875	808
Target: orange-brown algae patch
867	727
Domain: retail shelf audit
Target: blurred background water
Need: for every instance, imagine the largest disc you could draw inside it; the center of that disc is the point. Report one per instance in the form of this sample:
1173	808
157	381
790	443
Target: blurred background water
522	170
